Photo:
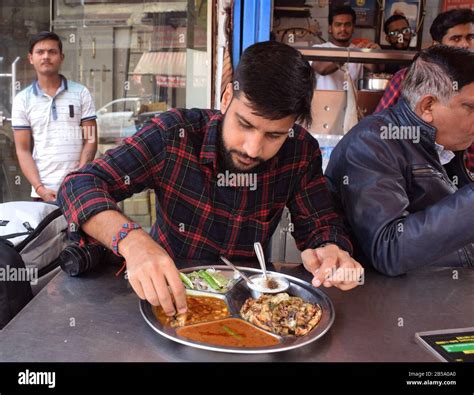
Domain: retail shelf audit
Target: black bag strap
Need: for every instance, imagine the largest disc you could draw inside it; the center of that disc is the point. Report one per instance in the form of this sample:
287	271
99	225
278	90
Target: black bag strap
13	235
43	224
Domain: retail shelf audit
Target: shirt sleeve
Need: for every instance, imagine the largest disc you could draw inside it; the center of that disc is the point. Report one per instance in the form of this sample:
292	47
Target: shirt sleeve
87	106
134	166
20	120
313	213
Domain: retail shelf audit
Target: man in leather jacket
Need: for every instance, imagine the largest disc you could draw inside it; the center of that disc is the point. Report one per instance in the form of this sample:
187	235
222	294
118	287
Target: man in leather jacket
408	199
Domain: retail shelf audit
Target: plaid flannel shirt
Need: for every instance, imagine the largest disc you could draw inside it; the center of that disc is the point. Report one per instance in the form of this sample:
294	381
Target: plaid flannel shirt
392	91
201	212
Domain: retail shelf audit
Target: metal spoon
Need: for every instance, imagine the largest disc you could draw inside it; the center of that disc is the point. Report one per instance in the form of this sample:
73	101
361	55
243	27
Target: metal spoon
227	262
261	258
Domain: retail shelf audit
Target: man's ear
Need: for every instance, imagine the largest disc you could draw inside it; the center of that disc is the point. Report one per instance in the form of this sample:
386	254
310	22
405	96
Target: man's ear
227	97
387	38
30	58
424	108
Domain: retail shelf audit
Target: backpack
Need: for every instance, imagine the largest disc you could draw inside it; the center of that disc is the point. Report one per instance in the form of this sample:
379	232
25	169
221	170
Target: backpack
32	235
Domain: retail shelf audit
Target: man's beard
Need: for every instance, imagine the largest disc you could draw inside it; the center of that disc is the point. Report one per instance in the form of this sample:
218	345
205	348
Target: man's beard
225	155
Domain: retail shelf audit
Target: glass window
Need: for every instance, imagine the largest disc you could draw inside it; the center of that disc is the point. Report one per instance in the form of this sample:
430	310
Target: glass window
19	21
137	58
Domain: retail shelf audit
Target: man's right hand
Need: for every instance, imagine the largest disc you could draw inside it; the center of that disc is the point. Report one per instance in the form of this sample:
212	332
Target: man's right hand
48	195
151	271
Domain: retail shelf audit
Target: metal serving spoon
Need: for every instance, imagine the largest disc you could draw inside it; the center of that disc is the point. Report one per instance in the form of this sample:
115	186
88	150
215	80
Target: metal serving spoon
227	262
269	283
261	259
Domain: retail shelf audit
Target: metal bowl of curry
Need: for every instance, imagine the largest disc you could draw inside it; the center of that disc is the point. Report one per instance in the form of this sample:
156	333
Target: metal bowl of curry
239	321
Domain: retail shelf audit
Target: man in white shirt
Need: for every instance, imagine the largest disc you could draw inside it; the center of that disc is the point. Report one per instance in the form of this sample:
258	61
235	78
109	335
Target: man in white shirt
57	115
330	75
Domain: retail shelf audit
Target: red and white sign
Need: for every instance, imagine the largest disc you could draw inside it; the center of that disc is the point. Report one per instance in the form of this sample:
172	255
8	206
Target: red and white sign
452	4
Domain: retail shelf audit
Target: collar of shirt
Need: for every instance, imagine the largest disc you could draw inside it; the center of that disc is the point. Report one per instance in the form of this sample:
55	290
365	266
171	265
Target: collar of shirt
445	156
208	152
38	91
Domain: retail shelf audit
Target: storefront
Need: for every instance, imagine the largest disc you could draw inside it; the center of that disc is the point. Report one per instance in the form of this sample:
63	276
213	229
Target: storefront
385	271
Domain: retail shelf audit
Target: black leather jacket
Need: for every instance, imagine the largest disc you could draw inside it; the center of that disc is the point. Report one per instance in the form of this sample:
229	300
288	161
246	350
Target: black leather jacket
404	209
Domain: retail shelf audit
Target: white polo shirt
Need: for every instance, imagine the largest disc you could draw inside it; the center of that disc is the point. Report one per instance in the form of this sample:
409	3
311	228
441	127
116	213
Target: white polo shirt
335	81
55	126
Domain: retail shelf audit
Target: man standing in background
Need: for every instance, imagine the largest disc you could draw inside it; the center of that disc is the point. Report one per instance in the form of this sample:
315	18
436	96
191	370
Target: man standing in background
330	75
57	115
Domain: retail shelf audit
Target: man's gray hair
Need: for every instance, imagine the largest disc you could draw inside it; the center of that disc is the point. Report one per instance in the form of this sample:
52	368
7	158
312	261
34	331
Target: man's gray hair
427	78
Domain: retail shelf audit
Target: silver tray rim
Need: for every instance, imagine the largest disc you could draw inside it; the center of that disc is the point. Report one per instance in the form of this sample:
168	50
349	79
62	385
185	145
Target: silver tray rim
150	319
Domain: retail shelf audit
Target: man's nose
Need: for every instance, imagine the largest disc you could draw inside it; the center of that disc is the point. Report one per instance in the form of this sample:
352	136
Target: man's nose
465	44
253	145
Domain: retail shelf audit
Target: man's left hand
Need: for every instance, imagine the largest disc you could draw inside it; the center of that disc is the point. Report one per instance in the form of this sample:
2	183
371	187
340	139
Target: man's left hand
332	266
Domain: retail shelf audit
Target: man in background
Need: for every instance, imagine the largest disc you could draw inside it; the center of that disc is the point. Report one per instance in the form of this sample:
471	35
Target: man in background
398	34
330	75
454	28
57	116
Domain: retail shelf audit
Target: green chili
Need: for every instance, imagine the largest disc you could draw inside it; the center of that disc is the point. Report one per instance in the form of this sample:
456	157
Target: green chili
186	281
208	279
231	332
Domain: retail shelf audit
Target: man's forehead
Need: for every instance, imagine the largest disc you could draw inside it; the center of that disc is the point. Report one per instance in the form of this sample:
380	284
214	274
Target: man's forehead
464	95
268	125
467	91
466	28
46	44
244	110
397	23
342	18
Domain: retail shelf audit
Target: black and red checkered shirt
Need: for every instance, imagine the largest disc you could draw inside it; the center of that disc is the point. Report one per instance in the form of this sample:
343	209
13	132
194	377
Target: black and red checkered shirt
201	213
390	97
392	91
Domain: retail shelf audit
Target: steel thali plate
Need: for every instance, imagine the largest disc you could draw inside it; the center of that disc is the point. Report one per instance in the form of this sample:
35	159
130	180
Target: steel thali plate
235	298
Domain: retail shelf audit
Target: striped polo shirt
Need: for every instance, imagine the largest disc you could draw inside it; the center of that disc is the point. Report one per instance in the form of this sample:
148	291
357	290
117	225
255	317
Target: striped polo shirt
55	125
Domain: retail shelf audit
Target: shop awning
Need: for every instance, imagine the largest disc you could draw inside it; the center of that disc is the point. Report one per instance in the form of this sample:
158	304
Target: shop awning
169	68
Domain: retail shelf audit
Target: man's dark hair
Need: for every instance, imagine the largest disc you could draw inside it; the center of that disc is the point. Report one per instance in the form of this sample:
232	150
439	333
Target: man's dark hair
440	70
341	10
394	18
446	20
41	36
276	80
